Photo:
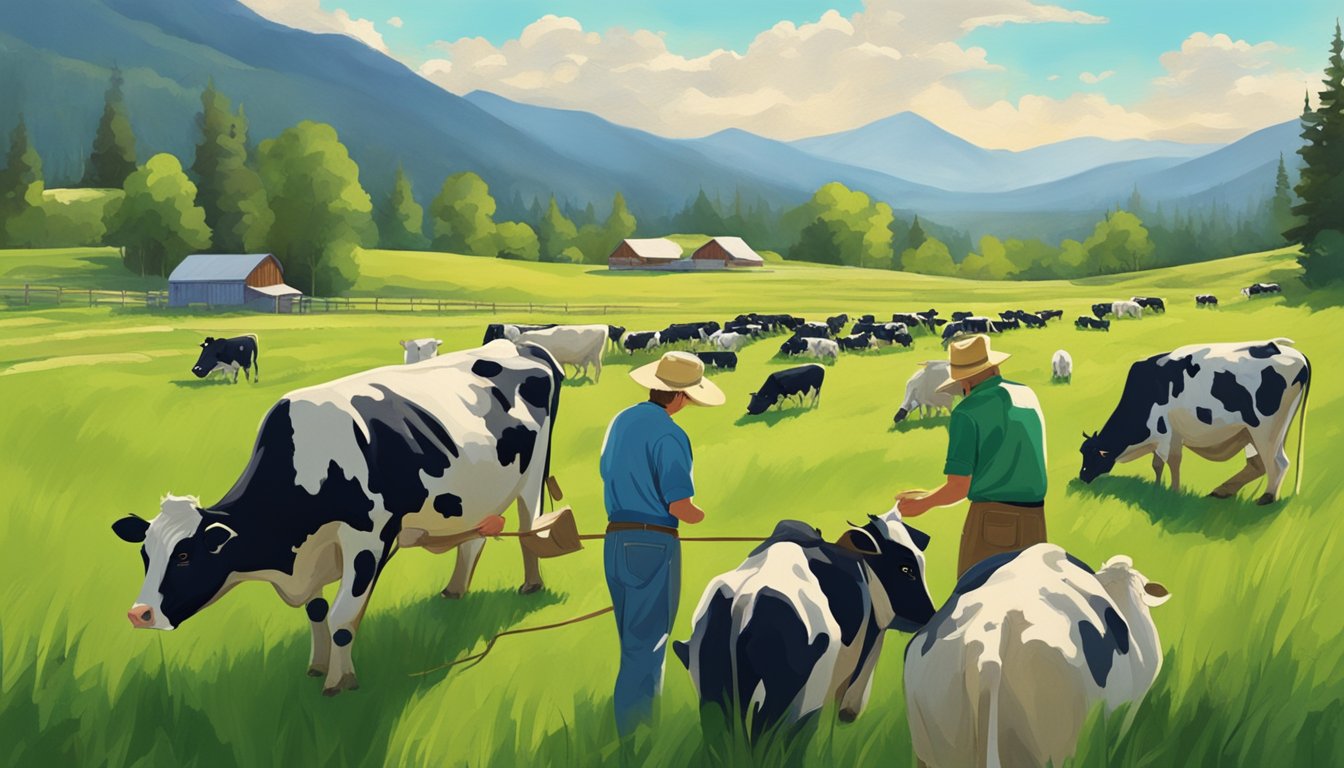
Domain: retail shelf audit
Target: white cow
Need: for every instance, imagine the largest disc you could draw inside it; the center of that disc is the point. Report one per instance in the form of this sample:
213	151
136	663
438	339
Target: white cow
1008	669
921	390
1061	366
576	345
420	349
1127	309
822	348
728	341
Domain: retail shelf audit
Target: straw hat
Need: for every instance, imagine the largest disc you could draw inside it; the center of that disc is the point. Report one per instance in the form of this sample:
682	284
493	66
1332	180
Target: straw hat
969	357
680	372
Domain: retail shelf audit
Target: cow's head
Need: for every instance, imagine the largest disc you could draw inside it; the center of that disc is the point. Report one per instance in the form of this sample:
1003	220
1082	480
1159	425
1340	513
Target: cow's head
210	349
189	555
1097	460
793	346
894	552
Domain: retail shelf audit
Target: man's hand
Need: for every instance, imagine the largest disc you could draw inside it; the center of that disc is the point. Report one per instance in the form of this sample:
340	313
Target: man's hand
491	526
911	506
916	503
686	511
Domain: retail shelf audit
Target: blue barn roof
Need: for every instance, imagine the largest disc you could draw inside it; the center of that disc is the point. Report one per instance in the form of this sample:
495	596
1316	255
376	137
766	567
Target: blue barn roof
217	267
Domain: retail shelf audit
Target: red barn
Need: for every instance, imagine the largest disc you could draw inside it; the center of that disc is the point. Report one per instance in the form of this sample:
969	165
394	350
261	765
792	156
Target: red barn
732	251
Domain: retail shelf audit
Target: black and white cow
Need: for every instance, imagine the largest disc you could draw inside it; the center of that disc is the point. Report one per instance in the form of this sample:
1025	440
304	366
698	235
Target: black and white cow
961	315
856	342
1257	289
614	335
1030	320
341	472
782	385
510	331
1084	323
679	332
640	340
813	331
837	323
892	333
1150	302
867	319
1006	325
1102	309
969	325
910	319
1050	314
228	356
825	349
801	622
1214	399
726	360
1206	300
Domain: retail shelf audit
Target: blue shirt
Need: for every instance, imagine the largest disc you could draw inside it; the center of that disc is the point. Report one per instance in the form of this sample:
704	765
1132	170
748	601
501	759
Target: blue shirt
646	465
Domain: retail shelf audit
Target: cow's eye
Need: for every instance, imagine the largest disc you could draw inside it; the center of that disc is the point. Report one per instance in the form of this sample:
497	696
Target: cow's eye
182	558
908	571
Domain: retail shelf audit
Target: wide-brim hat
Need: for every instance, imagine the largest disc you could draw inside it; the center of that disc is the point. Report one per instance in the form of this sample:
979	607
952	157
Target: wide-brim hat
968	357
680	372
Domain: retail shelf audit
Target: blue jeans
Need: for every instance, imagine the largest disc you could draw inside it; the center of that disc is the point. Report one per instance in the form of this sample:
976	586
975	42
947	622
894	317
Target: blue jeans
644	577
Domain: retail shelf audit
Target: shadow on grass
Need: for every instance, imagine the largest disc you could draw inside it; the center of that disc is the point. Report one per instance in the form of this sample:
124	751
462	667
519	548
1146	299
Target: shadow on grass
772	417
1183	511
213	381
913	422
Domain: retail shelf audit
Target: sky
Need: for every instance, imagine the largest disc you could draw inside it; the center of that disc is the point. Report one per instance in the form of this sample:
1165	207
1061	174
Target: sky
1000	73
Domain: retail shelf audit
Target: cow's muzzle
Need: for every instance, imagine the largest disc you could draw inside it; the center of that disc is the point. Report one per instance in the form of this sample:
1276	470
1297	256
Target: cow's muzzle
141	616
900	416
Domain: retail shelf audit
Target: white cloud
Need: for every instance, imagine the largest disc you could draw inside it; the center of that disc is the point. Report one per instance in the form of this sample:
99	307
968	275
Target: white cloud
1052	78
395	21
309	15
1092	79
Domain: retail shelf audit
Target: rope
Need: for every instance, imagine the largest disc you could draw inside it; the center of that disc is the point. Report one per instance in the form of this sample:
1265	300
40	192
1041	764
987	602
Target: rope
475	658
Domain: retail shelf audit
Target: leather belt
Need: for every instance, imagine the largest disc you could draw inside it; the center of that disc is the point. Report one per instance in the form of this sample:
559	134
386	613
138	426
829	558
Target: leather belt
1020	504
615	527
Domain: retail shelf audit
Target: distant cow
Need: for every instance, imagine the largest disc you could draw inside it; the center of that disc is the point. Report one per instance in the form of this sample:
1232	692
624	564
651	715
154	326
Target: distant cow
228	356
867	319
961	315
1061	366
1008	670
813	331
614	334
1030	320
640	340
728	340
1123	309
510	331
837	323
578	345
679	332
1006	325
893	333
802	621
726	360
782	385
921	391
1206	300
420	349
910	319
1258	289
969	325
1150	302
825	349
1050	314
1102	309
858	341
1084	323
1214	399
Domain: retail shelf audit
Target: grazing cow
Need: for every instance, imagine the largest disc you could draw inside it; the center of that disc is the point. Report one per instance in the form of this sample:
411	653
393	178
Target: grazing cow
1012	324
1103	309
970	325
576	345
867	319
1084	323
837	323
640	340
1123	309
420	349
728	340
1007	671
510	331
801	622
1010	314
1050	314
910	319
227	356
921	391
1214	399
1150	302
614	334
794	382
888	329
726	360
1061	366
857	341
1030	320
813	331
1258	289
1206	300
745	327
343	472
819	348
961	315
889	336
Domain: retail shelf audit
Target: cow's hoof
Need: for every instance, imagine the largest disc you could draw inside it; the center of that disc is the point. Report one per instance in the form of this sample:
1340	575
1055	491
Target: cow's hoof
316	671
347	683
452	594
1217	495
1268	498
528	589
848	715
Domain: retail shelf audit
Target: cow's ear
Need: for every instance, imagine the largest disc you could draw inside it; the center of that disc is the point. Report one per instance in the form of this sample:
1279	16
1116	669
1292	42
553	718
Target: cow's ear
858	541
1154	594
131	529
920	538
403	343
215	536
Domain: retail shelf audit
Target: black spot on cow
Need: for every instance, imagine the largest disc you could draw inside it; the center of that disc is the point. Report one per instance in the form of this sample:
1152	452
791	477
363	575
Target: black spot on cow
1234	397
448	505
841	582
1161	425
365	563
501	398
516	443
1303	376
486	368
404	441
342	637
1100	649
1263	351
1269	394
978	574
535	391
716	662
317	609
1151	382
774	652
1079	563
1204	414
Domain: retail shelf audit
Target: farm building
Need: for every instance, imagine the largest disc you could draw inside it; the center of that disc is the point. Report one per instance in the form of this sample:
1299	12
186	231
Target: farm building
254	280
732	251
646	253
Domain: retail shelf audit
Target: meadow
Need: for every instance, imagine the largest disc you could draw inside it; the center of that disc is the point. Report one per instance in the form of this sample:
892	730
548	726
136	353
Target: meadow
102	417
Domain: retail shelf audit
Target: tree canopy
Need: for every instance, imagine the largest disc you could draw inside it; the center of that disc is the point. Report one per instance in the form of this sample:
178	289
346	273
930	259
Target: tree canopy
462	216
158	222
113	155
228	189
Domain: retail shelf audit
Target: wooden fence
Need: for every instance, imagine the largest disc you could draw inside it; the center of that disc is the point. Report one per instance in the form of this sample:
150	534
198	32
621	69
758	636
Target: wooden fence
31	294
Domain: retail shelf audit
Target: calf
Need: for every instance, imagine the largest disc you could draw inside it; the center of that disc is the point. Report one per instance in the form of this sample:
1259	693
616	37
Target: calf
922	391
781	385
614	334
1258	289
802	621
1061	366
820	348
1009	668
640	340
227	356
858	341
1214	399
1084	323
1150	302
726	360
578	345
420	349
343	472
1206	300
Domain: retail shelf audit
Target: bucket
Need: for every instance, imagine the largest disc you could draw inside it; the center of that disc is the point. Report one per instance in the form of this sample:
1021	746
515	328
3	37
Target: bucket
553	534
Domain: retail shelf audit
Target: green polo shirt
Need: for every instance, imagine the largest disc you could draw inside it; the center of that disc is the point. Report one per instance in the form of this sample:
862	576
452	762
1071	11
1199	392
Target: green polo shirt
997	436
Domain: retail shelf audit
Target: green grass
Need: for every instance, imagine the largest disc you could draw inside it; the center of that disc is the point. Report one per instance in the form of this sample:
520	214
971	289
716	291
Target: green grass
99	268
102	417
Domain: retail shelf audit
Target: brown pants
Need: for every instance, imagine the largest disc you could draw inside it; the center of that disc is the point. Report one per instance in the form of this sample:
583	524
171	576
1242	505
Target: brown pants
992	528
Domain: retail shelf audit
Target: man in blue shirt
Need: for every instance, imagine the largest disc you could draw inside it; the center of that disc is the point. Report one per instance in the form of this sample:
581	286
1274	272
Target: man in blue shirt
646	472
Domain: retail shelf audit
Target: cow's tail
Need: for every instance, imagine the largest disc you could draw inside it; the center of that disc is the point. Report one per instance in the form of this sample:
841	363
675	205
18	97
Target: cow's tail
990	675
1302	426
558	376
256	358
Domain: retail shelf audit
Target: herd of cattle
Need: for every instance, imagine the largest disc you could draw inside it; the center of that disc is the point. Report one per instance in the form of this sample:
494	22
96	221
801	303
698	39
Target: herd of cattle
345	473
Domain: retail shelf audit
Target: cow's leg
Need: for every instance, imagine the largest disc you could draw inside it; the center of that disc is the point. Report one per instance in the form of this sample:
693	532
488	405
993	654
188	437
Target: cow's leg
1174	460
1254	468
468	552
597	365
1158	466
319	659
361	555
529	505
853	698
1275	470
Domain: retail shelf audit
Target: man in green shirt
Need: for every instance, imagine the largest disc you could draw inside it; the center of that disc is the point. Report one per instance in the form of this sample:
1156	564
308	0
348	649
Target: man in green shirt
995	458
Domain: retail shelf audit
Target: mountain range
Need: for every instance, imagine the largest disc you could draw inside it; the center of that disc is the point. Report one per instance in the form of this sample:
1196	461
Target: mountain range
56	57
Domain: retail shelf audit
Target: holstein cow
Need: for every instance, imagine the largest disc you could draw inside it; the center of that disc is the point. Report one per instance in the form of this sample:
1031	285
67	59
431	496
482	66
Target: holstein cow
510	331
1061	366
1258	289
837	323
1030	320
1150	302
781	385
614	334
1084	323
961	315
576	345
728	340
825	349
227	356
640	340
910	319
341	472
970	325
727	360
1006	325
856	342
1214	399
813	331
1102	309
420	349
921	391
892	333
1007	671
801	622
1050	314
1123	309
1206	300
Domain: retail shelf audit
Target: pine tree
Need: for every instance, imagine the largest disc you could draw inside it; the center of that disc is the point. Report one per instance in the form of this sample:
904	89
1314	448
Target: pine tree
1135	205
401	220
555	233
20	185
113	156
1281	205
915	237
227	188
1321	183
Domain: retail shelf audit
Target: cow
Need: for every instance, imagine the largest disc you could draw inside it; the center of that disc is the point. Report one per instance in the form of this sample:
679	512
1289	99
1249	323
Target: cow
921	391
1150	302
1258	289
614	334
857	341
510	331
1085	323
1050	314
1061	366
893	333
802	620
1123	309
781	385
889	329
1012	324
679	332
1206	300
819	348
640	340
228	356
813	331
909	318
1101	310
961	315
1030	320
343	472
837	323
726	360
576	345
867	319
419	349
1010	314
1214	399
729	341
744	327
969	325
1030	642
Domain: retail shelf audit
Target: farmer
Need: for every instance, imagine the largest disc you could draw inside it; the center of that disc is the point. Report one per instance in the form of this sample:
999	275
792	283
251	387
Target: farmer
646	471
995	457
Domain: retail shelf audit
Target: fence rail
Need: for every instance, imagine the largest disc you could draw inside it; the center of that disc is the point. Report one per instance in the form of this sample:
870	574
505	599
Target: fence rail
30	294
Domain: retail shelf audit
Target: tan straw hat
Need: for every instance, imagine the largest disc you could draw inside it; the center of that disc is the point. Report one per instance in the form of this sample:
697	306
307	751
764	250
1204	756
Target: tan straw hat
969	357
680	372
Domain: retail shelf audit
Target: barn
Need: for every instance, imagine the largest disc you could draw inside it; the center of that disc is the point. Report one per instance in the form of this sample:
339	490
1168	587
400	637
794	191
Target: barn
645	253
732	251
253	280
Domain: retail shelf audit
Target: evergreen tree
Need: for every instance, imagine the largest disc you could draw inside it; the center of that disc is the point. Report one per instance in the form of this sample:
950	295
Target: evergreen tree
401	220
1135	205
915	237
1281	217
1321	183
819	243
20	190
556	233
113	156
227	188
701	217
619	225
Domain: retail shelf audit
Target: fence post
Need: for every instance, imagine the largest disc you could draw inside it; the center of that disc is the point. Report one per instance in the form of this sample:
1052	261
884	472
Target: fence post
375	303
25	294
58	295
493	311
123	297
90	297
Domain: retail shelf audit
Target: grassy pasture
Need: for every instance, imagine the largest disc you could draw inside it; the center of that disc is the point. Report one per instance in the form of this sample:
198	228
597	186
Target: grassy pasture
102	417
